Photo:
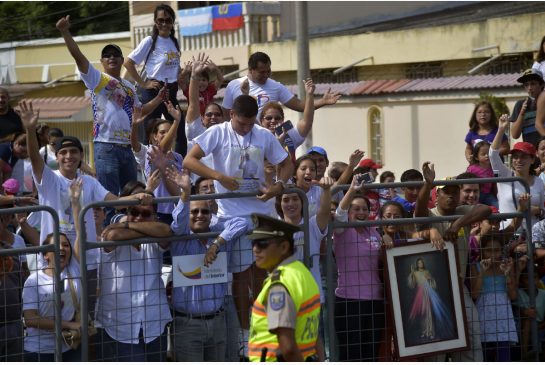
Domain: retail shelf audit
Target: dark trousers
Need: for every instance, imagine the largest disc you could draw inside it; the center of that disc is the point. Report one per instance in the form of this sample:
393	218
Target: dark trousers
359	325
146	96
69	356
11	342
112	350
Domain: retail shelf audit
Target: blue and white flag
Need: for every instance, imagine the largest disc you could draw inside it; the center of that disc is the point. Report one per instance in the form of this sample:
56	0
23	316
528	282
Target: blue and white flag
195	21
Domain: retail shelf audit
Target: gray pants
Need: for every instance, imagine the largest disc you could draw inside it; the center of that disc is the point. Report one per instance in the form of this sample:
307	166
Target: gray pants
199	340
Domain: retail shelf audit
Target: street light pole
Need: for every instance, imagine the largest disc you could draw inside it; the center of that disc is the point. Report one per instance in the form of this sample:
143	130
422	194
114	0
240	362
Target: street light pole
303	63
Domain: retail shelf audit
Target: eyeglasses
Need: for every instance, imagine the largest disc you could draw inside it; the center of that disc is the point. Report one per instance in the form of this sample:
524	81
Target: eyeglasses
211	114
263	243
164	21
110	55
270	117
196	211
139	213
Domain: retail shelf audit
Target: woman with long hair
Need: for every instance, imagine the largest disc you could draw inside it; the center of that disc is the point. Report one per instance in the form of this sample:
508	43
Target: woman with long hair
539	64
161	55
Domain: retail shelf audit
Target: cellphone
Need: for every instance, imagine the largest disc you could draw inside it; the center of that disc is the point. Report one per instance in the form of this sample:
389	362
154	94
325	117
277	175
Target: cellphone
286	126
365	178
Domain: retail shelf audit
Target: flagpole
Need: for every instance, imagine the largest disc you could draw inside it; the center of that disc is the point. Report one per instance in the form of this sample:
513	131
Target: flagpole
303	64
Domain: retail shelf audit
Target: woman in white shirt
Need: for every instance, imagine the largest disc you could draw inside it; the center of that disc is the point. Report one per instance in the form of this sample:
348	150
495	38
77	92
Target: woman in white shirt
523	155
539	64
160	54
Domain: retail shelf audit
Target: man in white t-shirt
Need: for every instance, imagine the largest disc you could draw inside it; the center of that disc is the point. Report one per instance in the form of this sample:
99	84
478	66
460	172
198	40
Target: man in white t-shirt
113	100
54	188
265	89
229	143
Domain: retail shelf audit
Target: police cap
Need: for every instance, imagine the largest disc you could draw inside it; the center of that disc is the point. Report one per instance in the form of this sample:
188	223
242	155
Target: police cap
267	227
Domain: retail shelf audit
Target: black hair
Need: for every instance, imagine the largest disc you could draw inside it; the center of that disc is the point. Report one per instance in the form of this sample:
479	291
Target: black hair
245	106
540	53
361	196
404	213
154	126
336	169
278	205
385	175
49	237
55	132
129	187
466	175
167	9
474	125
411	175
214	104
488	239
258	57
298	163
476	148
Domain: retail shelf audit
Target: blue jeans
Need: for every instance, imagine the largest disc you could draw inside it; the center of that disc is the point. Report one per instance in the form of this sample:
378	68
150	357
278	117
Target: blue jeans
488	199
115	166
112	350
146	96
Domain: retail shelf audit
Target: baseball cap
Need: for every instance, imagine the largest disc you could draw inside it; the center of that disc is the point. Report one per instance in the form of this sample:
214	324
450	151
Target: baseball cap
268	227
525	147
444	186
318	150
369	163
68	141
530	74
114	47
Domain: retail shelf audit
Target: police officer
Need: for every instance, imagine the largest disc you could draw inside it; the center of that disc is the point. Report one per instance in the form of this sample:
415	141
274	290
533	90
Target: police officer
285	315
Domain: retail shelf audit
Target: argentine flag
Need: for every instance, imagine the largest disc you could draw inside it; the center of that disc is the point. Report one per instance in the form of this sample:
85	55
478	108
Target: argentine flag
195	21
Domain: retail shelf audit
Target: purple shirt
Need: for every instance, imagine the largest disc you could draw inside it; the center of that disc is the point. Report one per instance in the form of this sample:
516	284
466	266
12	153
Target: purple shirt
473	137
357	256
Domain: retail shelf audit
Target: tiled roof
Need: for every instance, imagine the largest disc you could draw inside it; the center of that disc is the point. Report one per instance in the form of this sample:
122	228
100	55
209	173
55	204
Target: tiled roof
60	107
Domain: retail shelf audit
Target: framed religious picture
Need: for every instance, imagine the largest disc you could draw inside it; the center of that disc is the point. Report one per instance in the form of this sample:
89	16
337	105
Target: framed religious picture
426	298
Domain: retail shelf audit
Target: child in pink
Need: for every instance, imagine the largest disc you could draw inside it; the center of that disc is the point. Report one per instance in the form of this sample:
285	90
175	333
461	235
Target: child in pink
480	166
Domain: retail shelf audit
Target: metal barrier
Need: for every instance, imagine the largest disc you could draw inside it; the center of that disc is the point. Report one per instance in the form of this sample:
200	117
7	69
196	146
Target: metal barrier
330	299
54	247
87	243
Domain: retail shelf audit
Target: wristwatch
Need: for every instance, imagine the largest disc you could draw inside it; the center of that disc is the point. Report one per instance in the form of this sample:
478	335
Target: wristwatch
216	243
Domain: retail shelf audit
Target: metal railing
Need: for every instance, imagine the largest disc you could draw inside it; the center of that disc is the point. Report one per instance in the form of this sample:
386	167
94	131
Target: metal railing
330	296
54	247
87	244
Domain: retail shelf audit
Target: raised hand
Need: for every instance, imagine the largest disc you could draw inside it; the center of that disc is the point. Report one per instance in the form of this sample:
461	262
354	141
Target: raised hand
330	98
174	112
309	86
180	178
428	170
153	180
28	117
325	182
63	24
485	264
503	122
355	157
357	182
187	67
75	189
199	64
506	266
157	158
137	118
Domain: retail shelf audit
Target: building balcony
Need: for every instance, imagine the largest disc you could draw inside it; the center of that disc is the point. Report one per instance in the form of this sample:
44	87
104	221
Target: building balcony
261	25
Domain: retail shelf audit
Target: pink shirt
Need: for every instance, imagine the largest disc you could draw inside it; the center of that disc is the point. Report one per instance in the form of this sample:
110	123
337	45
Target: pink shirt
357	256
483	173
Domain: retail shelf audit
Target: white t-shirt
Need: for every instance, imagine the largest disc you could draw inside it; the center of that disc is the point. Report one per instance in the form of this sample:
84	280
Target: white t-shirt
235	155
51	159
270	91
132	293
163	63
54	191
192	131
112	101
19	242
505	190
38	294
315	240
540	66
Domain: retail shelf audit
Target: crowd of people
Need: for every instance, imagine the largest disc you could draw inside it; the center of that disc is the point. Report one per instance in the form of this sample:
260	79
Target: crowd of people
145	147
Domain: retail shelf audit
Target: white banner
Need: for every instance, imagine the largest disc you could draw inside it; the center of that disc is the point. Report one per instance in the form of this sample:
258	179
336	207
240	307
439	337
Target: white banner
189	270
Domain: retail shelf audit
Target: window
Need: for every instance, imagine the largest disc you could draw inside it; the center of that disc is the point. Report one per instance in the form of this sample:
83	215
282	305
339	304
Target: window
424	70
513	64
326	76
376	140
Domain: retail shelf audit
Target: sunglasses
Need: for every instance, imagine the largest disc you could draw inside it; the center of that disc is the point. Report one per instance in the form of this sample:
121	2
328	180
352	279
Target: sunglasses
164	21
269	117
110	55
196	211
212	114
263	243
139	213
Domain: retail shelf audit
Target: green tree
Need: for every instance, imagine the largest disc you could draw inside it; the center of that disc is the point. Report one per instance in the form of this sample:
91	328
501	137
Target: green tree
499	105
27	20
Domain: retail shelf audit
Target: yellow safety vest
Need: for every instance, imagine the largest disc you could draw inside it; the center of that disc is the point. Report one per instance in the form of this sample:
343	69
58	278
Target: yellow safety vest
303	289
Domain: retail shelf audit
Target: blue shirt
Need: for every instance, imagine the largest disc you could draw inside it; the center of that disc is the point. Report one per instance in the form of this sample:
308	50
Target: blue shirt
200	299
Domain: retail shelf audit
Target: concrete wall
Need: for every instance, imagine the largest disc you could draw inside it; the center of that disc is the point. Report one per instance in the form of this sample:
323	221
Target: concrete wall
416	128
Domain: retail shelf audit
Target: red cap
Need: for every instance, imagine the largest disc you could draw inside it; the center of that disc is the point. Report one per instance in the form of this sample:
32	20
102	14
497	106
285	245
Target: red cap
369	163
494	209
525	147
